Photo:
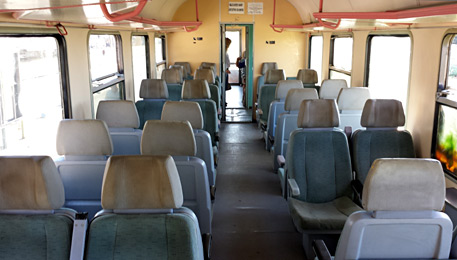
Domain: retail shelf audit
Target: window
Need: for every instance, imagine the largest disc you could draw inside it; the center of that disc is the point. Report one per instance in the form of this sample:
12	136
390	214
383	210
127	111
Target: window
388	61
33	94
140	56
341	58
315	57
160	53
106	68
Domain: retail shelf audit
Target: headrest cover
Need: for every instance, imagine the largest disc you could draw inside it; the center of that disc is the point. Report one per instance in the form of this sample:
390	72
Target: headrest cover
178	67
182	111
331	88
318	113
307	76
154	88
404	184
83	137
172	76
382	113
141	182
207	74
297	95
30	182
195	89
168	138
353	98
273	76
118	113
209	65
284	86
187	68
266	66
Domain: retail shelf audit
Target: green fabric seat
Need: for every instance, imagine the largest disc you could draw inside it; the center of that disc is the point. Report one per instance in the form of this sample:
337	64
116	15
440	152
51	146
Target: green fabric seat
149	110
266	96
174	91
154	93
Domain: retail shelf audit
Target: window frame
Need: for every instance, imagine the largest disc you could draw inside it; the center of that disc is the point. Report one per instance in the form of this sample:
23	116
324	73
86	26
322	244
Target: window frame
164	52
148	58
310	46
331	66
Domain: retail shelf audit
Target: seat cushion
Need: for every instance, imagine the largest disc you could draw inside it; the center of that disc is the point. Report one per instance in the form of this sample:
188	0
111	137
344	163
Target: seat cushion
321	216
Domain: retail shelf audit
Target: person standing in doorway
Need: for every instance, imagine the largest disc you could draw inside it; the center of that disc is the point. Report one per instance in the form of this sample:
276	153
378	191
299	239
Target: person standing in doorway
227	63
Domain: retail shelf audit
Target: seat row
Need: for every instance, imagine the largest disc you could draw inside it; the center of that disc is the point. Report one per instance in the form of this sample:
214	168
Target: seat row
142	214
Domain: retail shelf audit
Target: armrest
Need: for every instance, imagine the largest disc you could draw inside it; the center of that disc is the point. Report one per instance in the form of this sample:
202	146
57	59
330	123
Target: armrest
295	190
321	250
281	160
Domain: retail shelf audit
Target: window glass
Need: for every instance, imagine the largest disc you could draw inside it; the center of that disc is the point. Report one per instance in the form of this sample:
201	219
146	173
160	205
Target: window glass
341	58
31	103
160	55
452	71
106	67
140	62
315	60
388	67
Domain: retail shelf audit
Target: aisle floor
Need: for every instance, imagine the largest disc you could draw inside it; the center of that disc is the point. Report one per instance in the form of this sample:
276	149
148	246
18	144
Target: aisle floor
250	220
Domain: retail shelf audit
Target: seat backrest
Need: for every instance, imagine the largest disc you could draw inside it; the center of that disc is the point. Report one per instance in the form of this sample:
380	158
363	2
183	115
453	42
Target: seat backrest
272	76
318	155
190	111
330	88
208	75
403	199
287	121
172	75
209	65
154	93
122	120
177	139
180	68
266	66
85	146
142	201
187	69
307	76
381	138
33	224
283	87
198	90
350	103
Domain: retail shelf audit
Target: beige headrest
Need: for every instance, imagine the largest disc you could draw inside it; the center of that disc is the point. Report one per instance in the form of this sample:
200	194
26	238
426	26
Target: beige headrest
195	89
273	76
207	74
118	113
353	98
154	89
209	65
296	96
30	182
382	113
404	184
83	137
141	182
318	113
266	66
187	68
172	76
331	88
182	111
178	67
307	76
168	138
284	86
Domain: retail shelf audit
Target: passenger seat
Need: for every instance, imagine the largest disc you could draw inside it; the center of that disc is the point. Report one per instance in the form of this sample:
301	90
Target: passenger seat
208	75
266	66
330	88
309	78
154	93
174	80
267	95
350	103
187	69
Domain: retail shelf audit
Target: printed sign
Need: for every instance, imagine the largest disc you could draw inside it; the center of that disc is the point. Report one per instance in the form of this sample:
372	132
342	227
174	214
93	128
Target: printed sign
255	8
236	8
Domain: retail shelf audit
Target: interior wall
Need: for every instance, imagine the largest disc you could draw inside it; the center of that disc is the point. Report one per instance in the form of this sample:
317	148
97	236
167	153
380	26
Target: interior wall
289	48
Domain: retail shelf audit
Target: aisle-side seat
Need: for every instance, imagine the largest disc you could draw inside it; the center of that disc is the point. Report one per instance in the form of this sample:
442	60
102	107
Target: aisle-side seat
402	219
174	80
187	69
213	66
267	95
122	120
266	66
177	139
85	146
287	122
208	75
350	103
33	224
197	90
277	108
309	78
381	138
318	169
330	88
190	111
143	215
154	93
